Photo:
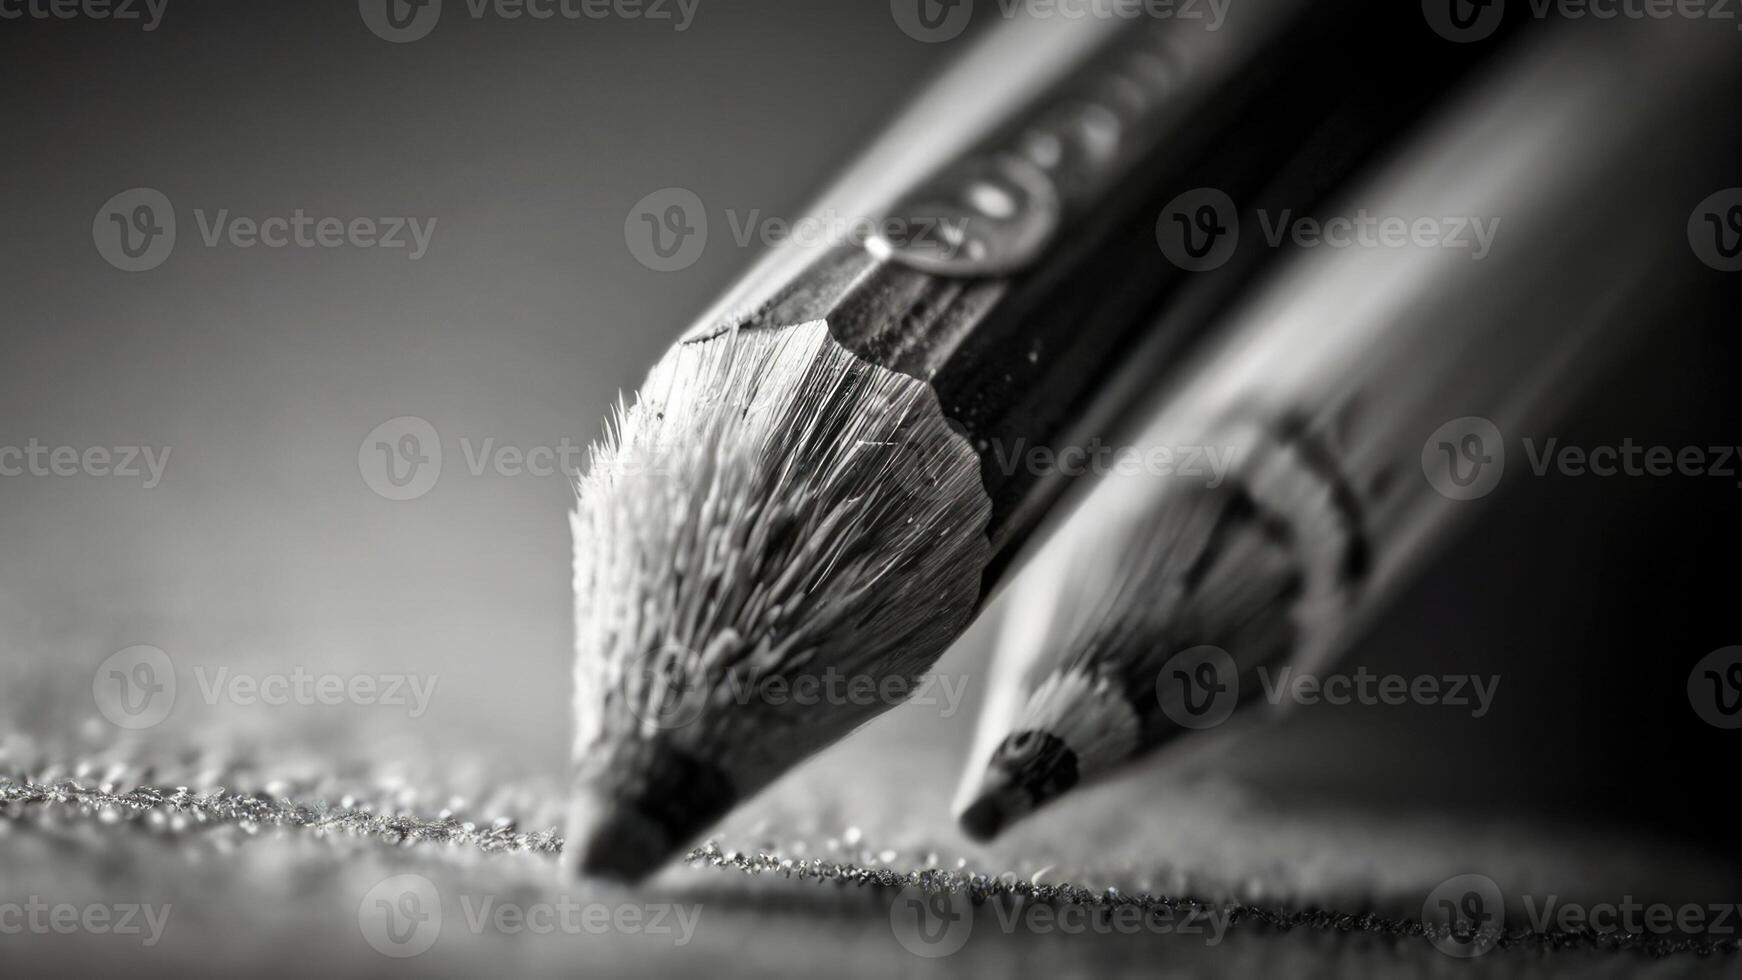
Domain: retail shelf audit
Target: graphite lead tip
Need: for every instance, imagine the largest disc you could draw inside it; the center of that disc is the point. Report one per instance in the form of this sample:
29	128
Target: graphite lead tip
611	841
1027	770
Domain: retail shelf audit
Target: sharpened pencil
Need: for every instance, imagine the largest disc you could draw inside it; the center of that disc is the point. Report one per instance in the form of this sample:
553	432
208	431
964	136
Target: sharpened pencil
1360	394
805	484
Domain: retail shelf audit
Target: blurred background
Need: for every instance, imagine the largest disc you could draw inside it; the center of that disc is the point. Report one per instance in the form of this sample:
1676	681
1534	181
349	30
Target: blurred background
265	380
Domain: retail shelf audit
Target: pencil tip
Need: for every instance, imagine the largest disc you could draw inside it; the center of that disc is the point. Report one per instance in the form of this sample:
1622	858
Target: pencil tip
773	511
983	819
612	842
1028	769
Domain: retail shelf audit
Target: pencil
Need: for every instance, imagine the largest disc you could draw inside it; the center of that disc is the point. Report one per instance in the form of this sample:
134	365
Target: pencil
1360	396
804	487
